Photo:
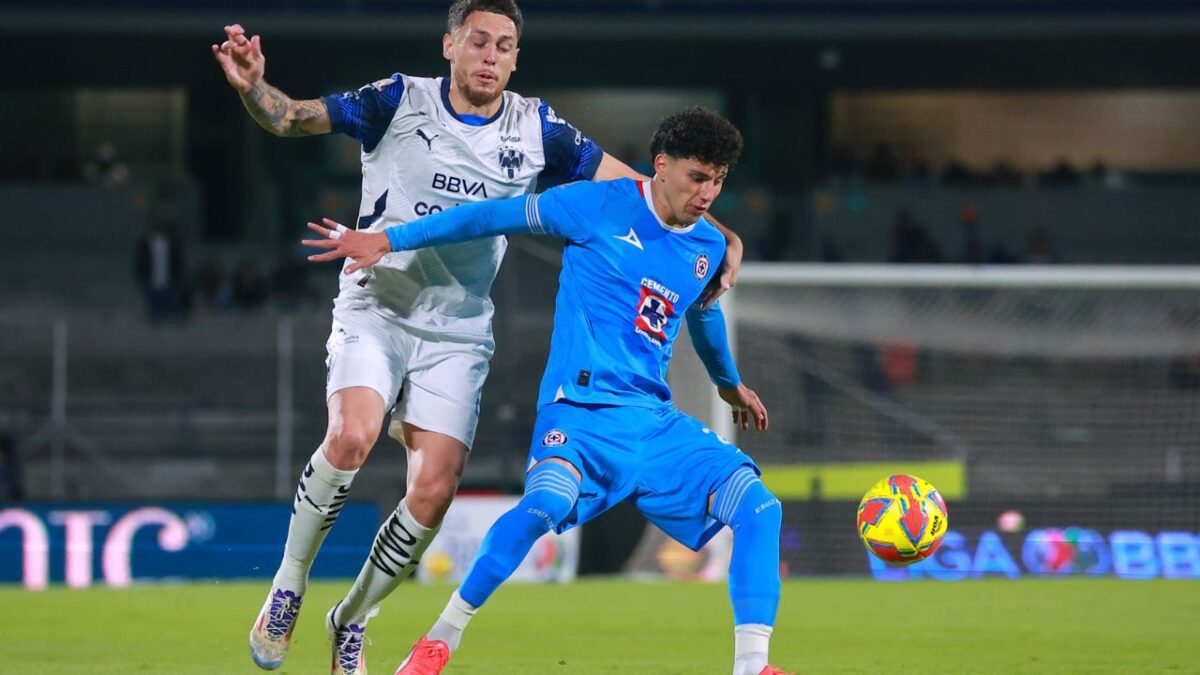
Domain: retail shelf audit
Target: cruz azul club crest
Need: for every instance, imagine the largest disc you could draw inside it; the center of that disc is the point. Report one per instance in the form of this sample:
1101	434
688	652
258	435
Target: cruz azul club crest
701	266
553	438
656	306
511	160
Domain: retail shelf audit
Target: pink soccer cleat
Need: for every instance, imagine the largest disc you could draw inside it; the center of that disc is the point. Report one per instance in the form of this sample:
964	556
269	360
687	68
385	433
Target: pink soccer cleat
428	657
771	670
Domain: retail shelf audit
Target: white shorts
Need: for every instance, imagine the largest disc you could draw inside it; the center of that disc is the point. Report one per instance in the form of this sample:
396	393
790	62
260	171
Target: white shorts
435	384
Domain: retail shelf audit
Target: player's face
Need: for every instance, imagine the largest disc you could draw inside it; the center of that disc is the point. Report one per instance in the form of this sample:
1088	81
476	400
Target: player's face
482	55
689	186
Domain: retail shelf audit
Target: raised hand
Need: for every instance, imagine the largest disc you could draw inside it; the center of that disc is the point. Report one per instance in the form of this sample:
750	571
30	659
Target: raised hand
364	248
241	58
746	406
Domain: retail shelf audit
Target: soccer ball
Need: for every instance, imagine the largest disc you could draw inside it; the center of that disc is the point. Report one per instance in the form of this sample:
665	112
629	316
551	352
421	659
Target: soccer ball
902	519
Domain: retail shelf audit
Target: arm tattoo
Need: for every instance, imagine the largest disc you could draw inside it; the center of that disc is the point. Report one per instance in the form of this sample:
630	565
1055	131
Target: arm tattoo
303	114
279	114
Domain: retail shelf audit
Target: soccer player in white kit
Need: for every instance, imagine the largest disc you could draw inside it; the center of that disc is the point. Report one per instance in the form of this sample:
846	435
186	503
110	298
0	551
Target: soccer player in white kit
414	329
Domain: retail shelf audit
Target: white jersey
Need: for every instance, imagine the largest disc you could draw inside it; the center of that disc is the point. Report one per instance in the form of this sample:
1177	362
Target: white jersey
420	157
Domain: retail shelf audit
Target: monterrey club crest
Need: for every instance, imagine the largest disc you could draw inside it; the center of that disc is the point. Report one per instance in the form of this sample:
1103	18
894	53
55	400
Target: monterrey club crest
553	438
701	268
653	313
511	160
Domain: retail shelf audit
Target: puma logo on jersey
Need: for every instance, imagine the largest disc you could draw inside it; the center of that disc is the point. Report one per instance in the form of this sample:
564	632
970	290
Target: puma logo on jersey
427	139
630	238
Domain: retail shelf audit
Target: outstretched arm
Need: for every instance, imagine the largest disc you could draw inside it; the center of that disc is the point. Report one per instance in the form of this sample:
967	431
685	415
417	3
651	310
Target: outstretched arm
707	330
518	215
242	60
612	168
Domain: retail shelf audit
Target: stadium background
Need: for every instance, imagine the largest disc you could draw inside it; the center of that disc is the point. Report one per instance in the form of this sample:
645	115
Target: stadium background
1025	137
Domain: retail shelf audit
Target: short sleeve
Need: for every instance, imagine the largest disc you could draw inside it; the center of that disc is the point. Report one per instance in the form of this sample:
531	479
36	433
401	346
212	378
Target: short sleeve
365	113
570	156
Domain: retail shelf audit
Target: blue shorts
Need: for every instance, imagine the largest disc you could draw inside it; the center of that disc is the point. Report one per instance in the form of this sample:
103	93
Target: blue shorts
667	461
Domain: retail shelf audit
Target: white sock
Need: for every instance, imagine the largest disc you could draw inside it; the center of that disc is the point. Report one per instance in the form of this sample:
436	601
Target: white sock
397	549
750	644
320	496
453	621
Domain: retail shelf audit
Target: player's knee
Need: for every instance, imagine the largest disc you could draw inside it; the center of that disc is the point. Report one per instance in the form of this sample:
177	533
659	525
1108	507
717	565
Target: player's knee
429	497
347	446
551	491
768	510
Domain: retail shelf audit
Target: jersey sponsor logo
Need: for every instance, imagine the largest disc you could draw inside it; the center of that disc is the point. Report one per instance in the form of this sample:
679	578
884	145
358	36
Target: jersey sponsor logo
630	238
511	160
554	438
424	208
660	289
428	140
458	186
654	311
701	268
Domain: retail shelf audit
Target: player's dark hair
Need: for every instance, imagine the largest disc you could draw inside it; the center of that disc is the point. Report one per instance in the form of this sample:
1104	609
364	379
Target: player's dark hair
461	9
698	133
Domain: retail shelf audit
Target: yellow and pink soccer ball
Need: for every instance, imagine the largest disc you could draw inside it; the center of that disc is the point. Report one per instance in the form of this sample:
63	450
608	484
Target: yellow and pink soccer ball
902	519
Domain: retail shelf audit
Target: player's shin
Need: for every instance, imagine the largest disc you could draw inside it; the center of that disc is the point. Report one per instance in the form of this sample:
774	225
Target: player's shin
551	491
320	495
755	516
397	550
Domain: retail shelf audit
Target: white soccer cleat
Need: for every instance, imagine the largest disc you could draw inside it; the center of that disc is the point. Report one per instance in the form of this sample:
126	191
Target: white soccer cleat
348	642
272	632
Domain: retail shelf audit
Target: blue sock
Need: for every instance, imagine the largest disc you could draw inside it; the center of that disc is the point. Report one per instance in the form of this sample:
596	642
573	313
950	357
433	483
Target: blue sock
755	515
550	494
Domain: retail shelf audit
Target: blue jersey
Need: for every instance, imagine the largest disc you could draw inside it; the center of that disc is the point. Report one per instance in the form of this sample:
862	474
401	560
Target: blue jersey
628	280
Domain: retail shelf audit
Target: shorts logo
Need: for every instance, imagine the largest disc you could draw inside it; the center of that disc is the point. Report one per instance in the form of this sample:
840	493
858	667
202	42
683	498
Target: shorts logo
553	438
701	266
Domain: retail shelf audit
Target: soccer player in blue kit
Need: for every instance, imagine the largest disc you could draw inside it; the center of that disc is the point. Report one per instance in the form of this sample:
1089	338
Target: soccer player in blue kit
638	255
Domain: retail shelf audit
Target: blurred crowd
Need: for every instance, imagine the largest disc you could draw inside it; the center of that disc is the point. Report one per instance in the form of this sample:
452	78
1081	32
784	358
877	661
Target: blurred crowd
906	166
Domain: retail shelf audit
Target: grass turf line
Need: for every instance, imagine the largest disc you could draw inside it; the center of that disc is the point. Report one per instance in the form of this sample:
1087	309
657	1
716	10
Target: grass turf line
610	626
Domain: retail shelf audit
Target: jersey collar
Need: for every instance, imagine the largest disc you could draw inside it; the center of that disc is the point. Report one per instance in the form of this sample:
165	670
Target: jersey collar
644	187
469	122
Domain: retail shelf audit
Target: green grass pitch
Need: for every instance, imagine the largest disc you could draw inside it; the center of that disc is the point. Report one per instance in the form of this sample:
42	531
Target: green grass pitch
611	626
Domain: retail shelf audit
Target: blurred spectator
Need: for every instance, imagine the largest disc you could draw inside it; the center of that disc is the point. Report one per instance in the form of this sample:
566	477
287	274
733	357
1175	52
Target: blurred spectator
1103	177
1003	174
248	291
158	268
911	242
843	166
1039	251
211	292
105	168
956	174
12	484
882	167
290	284
1062	175
917	172
971	248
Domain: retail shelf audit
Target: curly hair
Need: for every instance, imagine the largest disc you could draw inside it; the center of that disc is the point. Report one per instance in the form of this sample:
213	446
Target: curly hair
461	9
698	133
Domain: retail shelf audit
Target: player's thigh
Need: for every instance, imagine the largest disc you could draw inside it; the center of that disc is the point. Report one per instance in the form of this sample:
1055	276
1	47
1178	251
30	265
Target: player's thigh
364	351
685	463
443	387
595	442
